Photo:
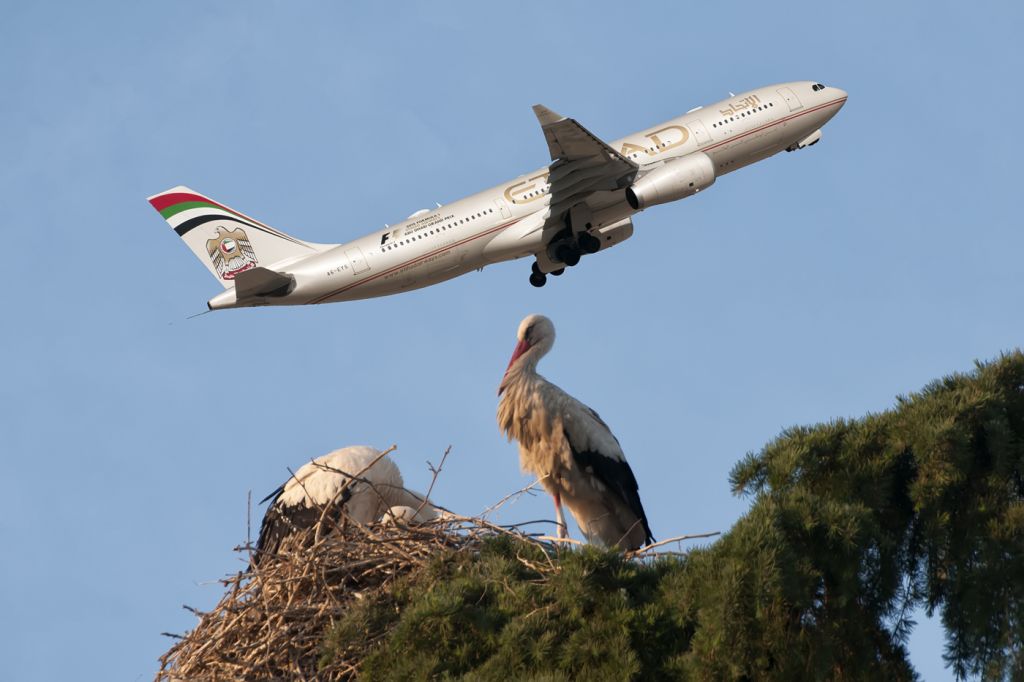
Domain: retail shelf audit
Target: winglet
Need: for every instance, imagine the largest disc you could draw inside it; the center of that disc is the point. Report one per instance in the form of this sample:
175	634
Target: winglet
569	141
546	116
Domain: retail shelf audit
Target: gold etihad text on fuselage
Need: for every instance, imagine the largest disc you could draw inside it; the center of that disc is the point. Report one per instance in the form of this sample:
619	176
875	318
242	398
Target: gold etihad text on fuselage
748	102
663	139
520	192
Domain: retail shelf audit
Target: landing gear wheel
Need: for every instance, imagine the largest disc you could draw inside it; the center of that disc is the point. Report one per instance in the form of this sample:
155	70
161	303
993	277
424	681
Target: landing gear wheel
538	279
572	258
535	268
558	272
589	243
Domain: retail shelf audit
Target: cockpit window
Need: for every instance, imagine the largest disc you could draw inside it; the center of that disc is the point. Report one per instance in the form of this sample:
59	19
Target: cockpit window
817	86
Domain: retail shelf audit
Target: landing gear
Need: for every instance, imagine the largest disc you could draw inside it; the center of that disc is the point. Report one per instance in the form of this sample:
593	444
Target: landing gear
538	278
589	243
567	253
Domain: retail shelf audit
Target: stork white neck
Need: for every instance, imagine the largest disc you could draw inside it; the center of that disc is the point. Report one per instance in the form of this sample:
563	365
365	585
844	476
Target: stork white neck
536	337
521	370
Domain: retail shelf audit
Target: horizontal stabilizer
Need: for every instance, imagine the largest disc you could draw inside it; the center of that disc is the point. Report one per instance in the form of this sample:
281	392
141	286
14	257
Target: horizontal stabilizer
259	282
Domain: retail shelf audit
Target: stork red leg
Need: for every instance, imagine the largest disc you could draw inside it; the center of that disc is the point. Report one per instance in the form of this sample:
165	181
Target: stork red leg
563	531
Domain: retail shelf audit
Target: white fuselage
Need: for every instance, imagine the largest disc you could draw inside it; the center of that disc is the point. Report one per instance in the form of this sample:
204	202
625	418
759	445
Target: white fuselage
488	227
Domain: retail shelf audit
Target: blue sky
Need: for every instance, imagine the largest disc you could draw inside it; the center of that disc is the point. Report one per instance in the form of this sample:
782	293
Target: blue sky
810	286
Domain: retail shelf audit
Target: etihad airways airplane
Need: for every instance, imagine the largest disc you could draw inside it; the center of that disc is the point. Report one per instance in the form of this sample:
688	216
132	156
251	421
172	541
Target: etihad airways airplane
581	203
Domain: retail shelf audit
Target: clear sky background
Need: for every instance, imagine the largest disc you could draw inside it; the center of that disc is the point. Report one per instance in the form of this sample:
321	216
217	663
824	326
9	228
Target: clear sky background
813	285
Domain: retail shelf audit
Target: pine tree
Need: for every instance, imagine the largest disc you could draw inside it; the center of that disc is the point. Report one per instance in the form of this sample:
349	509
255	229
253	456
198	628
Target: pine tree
853	525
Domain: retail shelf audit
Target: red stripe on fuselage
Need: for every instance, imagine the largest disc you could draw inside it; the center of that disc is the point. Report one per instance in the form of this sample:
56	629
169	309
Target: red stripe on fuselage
321	299
773	123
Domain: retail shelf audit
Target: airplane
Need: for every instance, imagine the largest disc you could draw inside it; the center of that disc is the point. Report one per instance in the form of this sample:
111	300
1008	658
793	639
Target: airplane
581	203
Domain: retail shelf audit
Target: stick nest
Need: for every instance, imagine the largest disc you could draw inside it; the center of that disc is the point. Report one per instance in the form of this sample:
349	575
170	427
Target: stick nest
272	619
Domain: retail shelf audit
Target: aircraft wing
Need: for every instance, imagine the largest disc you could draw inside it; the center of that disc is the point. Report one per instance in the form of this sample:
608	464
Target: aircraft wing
581	163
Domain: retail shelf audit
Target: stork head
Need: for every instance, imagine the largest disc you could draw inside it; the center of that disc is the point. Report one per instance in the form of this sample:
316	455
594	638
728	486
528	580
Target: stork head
536	336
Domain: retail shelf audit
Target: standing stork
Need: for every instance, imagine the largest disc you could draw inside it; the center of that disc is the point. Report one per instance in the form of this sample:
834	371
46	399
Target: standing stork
568	446
299	503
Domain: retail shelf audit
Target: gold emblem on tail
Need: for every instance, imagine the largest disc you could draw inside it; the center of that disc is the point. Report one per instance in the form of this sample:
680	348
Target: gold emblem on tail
231	252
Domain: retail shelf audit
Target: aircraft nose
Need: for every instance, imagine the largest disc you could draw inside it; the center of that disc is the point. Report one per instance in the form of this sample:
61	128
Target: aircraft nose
841	94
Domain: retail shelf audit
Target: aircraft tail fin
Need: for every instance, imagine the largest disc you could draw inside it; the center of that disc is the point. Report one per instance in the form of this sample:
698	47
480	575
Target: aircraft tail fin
227	242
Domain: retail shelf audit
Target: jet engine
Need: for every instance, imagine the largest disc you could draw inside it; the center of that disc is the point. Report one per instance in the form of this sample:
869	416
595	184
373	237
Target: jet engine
677	179
806	142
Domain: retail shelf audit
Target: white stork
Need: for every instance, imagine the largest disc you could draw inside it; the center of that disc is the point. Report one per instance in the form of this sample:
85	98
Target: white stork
405	515
299	503
568	446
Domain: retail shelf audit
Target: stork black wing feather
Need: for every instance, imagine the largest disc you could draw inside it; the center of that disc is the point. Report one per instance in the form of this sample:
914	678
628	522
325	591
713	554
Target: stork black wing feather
274	495
282	520
618	477
279	522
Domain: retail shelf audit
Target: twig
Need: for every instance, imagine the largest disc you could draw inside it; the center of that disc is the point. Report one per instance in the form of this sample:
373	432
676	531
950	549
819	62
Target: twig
528	490
248	523
436	472
679	538
560	541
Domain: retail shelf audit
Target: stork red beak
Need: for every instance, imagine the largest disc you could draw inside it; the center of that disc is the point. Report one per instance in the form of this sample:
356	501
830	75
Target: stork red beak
521	348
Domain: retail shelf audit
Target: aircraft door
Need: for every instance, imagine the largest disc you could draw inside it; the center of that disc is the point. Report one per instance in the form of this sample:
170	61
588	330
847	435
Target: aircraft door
700	133
358	261
791	99
503	208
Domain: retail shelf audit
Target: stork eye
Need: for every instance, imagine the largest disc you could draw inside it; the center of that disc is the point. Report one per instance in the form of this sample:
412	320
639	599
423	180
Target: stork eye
529	332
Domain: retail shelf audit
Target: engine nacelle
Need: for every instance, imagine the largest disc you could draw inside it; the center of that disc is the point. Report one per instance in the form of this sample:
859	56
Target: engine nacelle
616	233
677	179
806	142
